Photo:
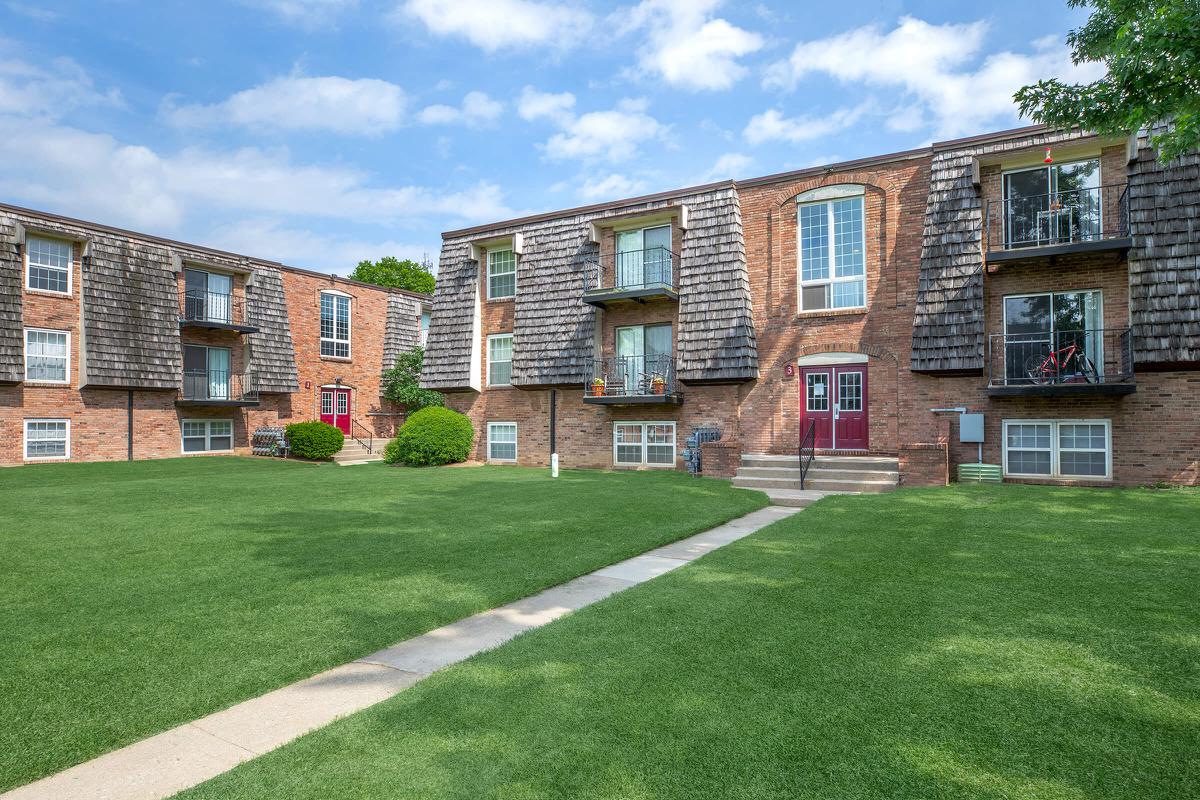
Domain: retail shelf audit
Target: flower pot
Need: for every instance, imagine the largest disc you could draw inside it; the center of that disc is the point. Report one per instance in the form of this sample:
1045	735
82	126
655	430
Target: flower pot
658	388
597	390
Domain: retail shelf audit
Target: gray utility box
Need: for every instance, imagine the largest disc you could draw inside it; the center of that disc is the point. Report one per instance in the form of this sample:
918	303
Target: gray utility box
970	428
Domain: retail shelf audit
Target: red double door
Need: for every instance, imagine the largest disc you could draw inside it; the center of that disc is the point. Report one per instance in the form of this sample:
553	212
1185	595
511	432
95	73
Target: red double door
835	398
335	407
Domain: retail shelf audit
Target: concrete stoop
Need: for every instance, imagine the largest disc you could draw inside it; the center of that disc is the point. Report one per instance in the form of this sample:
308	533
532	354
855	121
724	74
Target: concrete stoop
354	453
779	476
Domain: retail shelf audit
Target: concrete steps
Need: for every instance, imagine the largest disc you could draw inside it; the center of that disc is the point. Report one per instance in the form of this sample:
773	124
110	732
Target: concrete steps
353	453
779	476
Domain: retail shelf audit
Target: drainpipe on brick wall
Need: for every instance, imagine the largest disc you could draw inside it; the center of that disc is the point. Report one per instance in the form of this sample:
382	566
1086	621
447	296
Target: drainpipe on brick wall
553	433
129	424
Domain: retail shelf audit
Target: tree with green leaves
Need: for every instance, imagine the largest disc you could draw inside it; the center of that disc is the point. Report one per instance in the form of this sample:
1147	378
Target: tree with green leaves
1151	49
402	383
390	271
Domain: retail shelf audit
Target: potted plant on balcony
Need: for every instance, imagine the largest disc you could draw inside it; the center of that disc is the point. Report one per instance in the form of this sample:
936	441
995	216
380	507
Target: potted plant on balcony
658	384
597	387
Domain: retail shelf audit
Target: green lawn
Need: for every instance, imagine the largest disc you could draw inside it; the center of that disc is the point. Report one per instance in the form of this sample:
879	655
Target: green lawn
138	596
978	642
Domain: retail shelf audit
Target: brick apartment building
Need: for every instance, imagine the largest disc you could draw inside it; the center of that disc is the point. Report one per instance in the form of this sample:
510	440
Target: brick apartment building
117	345
1057	292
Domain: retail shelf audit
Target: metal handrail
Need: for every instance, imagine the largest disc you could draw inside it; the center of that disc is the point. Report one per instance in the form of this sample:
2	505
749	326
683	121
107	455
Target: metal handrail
1066	217
631	269
215	384
633	376
1022	359
216	307
370	443
808	450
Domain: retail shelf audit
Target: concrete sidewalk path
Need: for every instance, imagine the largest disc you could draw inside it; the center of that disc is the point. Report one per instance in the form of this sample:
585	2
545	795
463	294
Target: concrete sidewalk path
182	757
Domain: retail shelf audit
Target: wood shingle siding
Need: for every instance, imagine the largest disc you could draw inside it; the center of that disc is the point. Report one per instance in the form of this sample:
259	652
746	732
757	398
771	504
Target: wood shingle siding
272	356
12	349
554	331
131	315
403	329
448	350
1164	262
948	321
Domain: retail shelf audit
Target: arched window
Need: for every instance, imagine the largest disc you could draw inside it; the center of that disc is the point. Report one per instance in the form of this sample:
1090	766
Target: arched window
832	253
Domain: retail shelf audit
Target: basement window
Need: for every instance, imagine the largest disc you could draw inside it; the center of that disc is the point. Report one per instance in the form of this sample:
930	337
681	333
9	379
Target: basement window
1058	449
644	444
207	435
47	439
502	441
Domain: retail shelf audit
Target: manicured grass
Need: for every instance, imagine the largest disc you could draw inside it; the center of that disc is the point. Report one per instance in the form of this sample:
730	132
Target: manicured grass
141	596
978	642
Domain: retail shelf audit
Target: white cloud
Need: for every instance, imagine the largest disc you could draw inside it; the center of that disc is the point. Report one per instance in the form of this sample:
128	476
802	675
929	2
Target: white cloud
937	66
272	238
366	106
476	109
611	187
493	25
731	165
534	105
54	88
612	135
686	46
771	125
305	13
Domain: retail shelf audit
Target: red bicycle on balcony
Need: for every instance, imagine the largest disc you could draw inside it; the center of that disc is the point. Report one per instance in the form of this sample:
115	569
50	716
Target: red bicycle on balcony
1055	366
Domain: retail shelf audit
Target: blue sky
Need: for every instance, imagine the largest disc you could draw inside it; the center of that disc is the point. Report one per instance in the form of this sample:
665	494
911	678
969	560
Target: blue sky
319	132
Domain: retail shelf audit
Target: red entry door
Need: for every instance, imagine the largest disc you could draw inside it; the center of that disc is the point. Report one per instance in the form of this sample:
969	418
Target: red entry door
335	408
835	398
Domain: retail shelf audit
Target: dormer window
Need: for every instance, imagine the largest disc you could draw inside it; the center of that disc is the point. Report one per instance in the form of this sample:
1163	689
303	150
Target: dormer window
832	248
335	324
501	274
48	264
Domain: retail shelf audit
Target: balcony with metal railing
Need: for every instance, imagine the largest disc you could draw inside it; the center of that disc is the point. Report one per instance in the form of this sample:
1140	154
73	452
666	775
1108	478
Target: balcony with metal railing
1073	221
1061	363
636	276
633	380
214	310
214	387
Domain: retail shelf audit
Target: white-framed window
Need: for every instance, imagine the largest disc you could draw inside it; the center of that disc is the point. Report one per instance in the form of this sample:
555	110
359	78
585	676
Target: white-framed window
425	328
207	435
335	324
502	441
500	359
644	444
47	356
1076	448
48	264
501	274
832	257
47	439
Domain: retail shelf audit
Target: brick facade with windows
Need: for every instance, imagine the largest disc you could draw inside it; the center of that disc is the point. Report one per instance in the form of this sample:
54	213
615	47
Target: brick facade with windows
99	416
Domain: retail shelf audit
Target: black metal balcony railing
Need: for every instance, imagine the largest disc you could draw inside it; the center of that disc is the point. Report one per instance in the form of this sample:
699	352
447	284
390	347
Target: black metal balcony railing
632	269
1069	217
1094	356
219	385
633	376
213	307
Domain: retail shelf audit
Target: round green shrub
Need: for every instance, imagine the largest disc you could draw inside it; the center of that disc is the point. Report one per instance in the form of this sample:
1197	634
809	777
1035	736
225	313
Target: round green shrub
317	440
431	436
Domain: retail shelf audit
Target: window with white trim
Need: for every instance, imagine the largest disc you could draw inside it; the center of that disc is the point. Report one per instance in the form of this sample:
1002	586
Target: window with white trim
335	325
48	264
644	444
425	328
1058	448
502	441
500	359
47	439
47	356
501	274
832	249
207	435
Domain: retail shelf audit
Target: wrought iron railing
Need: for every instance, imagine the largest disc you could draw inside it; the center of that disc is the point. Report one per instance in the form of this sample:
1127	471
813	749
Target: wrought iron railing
215	307
361	434
633	376
214	384
808	449
632	269
1068	217
1093	355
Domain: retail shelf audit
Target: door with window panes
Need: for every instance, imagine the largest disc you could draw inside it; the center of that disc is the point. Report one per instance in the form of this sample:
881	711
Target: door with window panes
643	257
834	398
1035	324
643	351
1053	204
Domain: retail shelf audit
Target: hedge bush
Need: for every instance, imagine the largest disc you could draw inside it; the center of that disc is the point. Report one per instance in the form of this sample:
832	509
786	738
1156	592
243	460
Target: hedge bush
317	440
431	436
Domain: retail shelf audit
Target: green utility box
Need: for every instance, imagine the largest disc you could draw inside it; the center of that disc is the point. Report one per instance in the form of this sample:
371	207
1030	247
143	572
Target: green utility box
980	473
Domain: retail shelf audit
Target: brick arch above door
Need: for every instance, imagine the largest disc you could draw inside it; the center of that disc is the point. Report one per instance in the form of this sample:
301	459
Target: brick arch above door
860	348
